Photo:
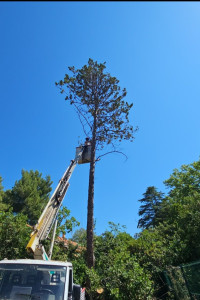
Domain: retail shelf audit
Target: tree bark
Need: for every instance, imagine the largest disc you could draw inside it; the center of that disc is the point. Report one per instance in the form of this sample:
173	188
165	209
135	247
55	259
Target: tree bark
90	210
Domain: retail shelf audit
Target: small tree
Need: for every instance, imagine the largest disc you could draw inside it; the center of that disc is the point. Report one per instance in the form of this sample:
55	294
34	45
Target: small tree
104	115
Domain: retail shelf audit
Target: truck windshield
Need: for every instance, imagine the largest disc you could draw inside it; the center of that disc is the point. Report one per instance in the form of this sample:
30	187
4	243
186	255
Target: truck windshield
35	282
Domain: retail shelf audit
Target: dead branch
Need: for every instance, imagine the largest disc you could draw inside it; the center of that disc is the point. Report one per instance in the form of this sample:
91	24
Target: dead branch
98	158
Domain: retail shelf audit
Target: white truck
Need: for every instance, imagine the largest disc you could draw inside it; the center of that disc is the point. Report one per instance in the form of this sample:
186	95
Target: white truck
41	278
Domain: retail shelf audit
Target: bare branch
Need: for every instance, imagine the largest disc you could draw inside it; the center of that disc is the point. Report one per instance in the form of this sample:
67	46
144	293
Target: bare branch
80	113
111	152
82	124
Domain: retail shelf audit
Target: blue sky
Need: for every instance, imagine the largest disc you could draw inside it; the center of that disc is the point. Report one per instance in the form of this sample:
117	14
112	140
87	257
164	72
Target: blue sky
151	47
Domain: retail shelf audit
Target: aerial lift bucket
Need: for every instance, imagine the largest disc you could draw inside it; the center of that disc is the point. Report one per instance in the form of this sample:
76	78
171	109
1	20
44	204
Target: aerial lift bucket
86	154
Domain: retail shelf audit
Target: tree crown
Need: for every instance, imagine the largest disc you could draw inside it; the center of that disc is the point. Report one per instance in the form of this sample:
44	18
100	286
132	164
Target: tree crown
99	102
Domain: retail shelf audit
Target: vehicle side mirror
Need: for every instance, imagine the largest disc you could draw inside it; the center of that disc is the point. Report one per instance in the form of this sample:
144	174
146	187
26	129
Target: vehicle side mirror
76	292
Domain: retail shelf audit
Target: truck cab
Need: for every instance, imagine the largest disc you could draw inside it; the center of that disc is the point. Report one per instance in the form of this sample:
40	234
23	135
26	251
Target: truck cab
37	280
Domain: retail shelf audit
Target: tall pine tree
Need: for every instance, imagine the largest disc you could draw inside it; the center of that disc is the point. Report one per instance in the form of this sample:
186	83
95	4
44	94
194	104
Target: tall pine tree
104	115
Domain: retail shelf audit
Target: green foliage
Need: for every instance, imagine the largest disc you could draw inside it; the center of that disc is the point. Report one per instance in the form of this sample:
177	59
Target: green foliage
117	272
65	224
4	206
184	182
94	282
28	198
30	195
122	276
174	237
98	100
125	267
79	266
18	206
1	189
150	211
184	220
182	206
14	235
80	236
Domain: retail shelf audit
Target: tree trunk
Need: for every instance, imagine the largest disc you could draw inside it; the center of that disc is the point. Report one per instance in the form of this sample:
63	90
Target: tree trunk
90	210
90	218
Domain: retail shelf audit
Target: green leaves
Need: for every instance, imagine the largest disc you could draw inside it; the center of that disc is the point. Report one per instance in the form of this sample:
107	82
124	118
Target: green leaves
185	181
30	195
27	198
4	202
121	275
117	273
65	224
14	235
172	225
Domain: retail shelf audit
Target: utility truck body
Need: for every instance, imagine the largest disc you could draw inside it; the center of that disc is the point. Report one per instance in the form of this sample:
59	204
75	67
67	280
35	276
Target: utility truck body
37	280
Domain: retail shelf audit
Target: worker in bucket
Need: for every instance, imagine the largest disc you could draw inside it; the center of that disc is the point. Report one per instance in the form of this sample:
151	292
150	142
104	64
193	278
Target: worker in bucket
87	142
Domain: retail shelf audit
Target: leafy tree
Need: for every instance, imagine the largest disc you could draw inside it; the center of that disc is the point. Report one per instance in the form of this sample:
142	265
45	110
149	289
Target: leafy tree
182	207
117	273
28	198
65	224
14	235
30	195
150	210
155	248
184	182
104	115
121	275
175	239
183	222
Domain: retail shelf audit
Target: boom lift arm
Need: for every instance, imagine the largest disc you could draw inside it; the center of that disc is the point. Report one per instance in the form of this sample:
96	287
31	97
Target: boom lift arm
50	212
